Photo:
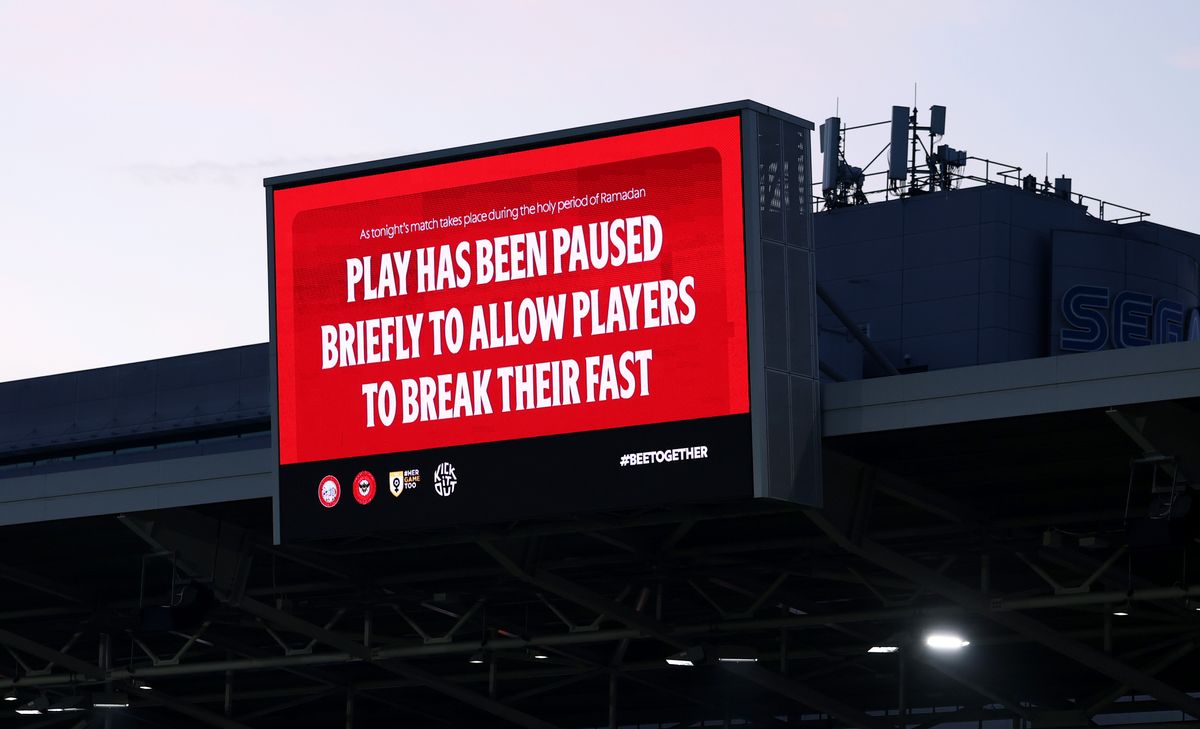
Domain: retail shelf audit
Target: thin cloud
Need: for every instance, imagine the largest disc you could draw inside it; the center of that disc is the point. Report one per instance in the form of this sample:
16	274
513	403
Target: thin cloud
1187	59
229	173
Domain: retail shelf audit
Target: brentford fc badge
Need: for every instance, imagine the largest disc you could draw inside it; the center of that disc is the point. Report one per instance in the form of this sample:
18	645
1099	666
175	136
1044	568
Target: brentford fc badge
364	487
329	492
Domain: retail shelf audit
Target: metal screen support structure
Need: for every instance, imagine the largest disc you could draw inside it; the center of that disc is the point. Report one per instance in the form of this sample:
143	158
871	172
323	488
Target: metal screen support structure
770	680
1017	622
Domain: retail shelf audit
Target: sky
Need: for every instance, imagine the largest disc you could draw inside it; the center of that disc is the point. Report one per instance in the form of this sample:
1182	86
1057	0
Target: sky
134	136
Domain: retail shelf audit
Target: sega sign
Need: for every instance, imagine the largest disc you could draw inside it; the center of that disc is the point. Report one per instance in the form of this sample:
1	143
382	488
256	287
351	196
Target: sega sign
1095	319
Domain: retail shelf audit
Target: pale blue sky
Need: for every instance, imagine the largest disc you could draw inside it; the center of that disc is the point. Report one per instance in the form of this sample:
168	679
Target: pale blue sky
134	136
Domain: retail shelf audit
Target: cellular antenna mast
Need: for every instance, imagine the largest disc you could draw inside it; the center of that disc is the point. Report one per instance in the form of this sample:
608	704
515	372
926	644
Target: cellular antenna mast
917	164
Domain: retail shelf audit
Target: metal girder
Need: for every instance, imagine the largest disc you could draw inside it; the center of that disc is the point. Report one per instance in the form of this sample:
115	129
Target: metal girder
554	685
585	597
96	673
1148	725
55	721
694	633
291	703
466	696
803	694
958	675
42	584
981	604
1020	623
1100	702
649	626
204	548
571	526
357	650
303	627
58	658
910	493
855	331
180	706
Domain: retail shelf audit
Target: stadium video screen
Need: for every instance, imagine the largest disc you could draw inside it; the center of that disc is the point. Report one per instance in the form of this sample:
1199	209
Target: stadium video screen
528	333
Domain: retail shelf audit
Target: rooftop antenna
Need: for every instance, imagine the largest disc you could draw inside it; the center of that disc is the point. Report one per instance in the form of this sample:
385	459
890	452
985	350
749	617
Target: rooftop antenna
897	147
841	182
941	165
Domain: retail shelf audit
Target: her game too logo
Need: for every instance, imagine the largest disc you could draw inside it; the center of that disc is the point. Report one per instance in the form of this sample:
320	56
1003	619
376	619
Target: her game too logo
364	487
329	492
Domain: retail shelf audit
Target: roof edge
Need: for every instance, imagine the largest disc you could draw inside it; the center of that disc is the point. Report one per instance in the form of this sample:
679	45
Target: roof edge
420	159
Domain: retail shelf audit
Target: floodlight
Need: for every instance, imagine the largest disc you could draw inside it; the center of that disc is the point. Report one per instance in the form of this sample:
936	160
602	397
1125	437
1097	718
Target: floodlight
70	703
946	641
883	649
693	656
110	700
736	654
34	707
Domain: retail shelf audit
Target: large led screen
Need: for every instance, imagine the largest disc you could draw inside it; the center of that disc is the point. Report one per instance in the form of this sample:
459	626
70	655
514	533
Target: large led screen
529	333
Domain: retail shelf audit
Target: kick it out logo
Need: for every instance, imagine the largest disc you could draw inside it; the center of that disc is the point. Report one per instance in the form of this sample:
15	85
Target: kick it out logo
444	479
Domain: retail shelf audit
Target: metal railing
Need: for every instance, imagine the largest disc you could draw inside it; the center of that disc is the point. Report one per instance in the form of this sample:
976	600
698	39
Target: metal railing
994	173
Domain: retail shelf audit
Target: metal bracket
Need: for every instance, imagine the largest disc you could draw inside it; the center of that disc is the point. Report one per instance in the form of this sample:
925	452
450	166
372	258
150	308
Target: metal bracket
45	670
1085	586
289	650
448	636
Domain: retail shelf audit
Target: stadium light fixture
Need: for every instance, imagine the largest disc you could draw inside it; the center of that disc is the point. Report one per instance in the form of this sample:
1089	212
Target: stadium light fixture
946	642
476	658
736	654
700	654
110	700
883	649
34	707
71	703
693	656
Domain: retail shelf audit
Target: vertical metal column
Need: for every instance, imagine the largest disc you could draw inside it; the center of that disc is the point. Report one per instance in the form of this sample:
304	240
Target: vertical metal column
612	701
229	693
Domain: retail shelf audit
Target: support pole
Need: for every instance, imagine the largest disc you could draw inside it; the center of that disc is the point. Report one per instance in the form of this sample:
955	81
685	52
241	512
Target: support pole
229	693
612	701
852	328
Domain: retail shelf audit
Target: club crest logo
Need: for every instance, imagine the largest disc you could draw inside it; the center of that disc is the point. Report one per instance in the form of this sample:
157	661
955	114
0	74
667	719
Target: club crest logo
329	491
364	487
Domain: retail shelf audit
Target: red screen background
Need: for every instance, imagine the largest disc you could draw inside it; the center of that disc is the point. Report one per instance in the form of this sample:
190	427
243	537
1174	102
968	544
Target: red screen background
693	181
